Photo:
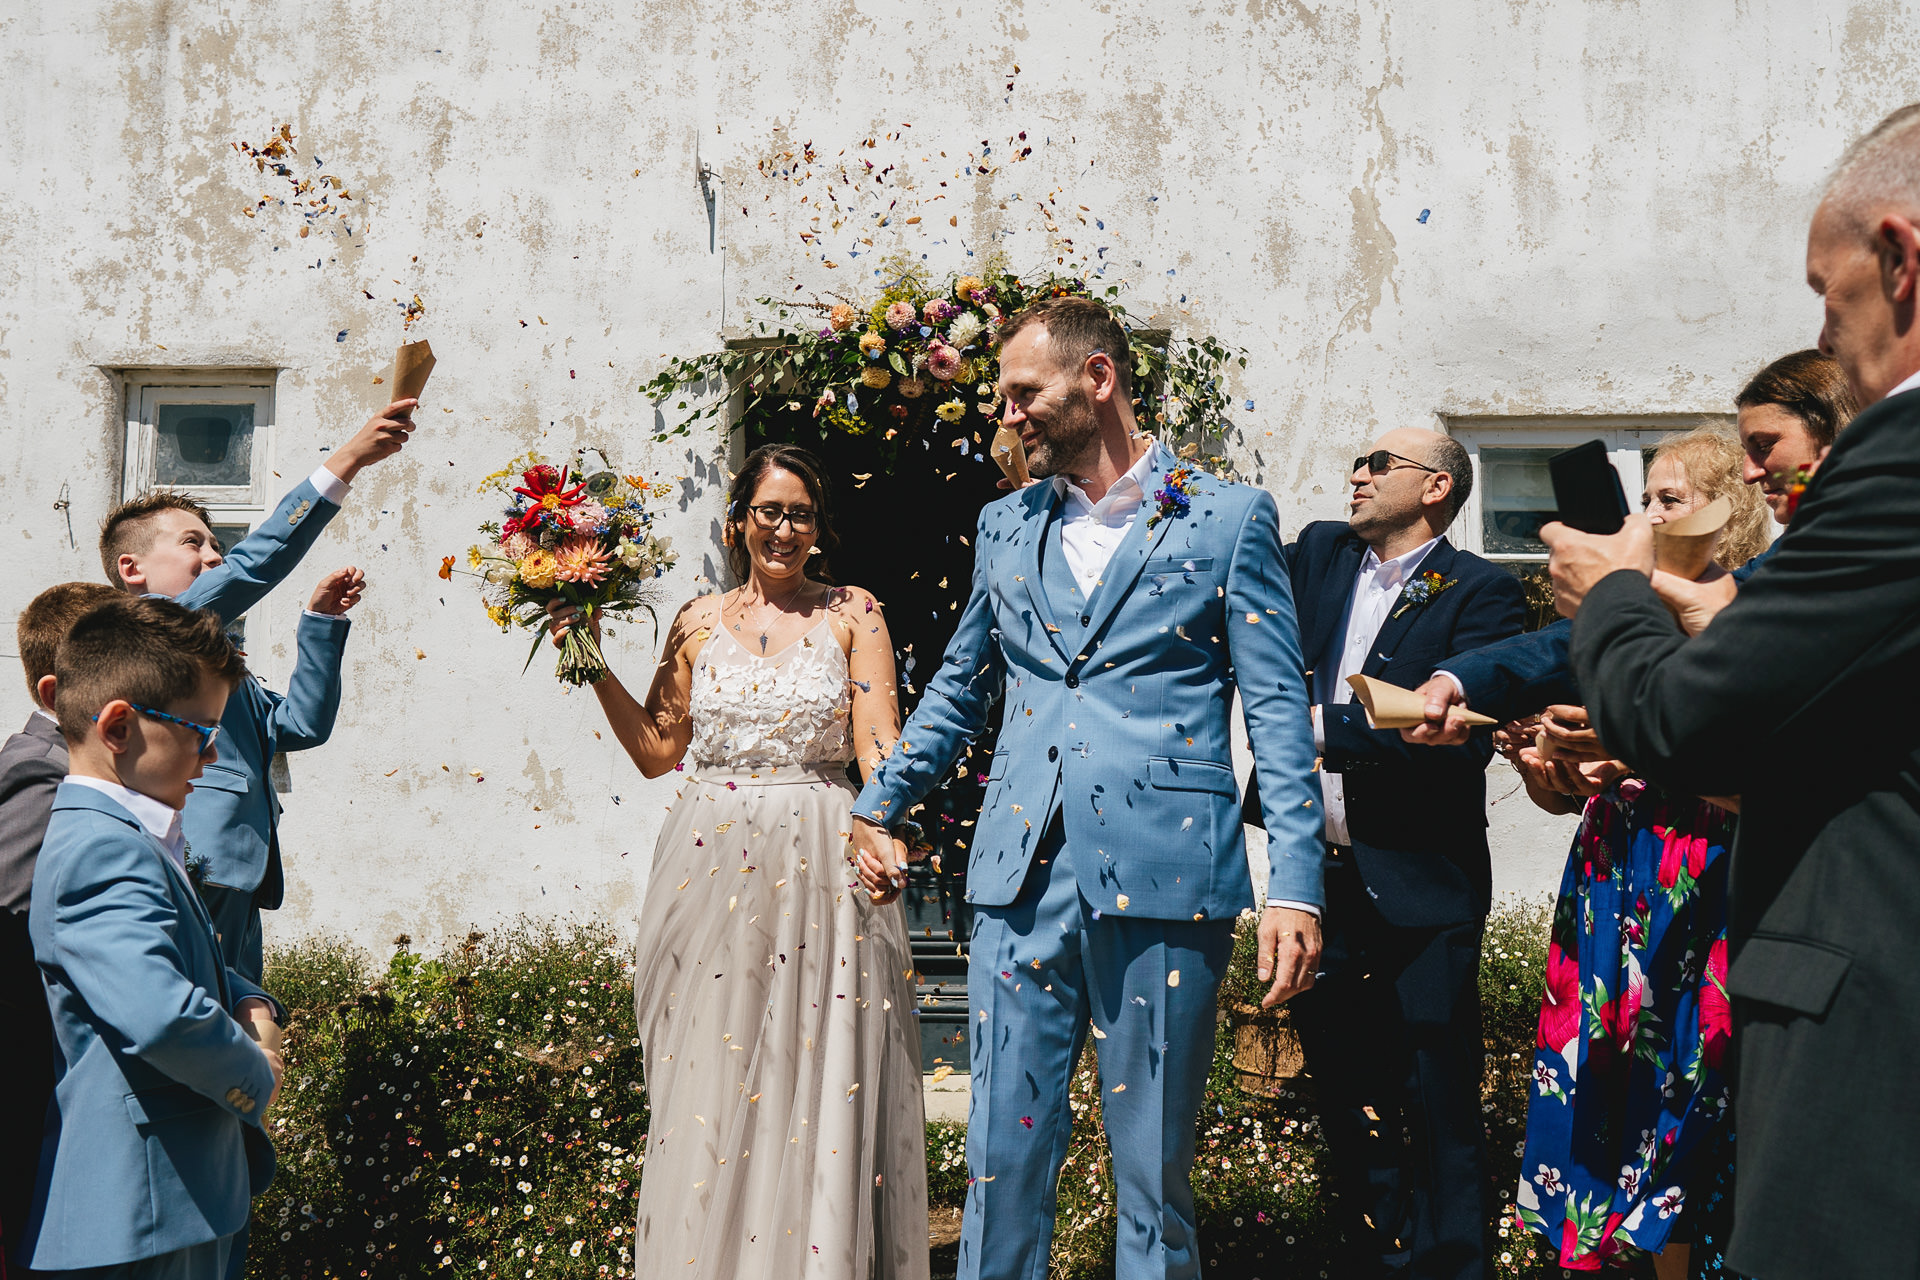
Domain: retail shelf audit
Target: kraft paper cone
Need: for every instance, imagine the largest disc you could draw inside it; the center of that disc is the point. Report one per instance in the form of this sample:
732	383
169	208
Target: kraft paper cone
1685	547
412	365
1391	707
1011	455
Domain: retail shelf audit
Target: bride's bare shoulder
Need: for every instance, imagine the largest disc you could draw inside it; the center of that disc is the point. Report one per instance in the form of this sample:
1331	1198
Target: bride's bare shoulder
697	619
850	602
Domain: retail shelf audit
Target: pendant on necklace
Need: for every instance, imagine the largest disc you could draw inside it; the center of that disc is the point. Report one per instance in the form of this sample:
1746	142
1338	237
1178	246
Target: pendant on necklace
763	642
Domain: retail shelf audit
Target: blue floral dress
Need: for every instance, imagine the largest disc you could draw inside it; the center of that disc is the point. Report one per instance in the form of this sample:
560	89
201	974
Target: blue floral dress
1629	1091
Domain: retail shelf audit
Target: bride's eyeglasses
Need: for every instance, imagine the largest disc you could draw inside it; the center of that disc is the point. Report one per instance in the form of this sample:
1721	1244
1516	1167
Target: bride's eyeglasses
770	516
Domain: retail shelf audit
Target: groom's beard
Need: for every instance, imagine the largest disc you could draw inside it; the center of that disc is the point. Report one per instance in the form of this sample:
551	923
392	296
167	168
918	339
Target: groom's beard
1068	435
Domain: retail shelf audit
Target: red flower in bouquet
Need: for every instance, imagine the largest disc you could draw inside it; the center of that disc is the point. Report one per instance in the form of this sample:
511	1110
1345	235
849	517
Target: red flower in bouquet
1560	1004
1716	1011
548	497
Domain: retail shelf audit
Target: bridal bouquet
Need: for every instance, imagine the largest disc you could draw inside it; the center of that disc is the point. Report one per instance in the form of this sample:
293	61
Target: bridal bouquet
578	534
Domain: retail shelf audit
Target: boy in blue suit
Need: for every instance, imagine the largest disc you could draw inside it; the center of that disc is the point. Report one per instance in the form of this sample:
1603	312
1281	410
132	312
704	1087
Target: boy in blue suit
154	1146
161	544
1118	604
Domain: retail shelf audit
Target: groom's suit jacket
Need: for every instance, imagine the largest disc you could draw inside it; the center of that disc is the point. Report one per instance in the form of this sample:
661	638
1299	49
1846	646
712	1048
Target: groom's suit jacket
1416	815
1116	707
232	816
153	1141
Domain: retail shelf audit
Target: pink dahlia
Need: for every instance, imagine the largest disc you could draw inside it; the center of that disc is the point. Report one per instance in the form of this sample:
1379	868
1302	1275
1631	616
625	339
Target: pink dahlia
900	317
517	545
581	560
943	361
938	312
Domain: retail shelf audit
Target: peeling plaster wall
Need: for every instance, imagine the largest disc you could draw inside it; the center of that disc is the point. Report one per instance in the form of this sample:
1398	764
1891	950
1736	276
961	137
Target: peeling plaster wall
1618	195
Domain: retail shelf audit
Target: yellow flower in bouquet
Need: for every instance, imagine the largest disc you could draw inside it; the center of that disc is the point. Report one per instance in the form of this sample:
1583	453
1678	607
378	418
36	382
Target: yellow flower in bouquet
952	411
538	568
963	287
872	344
842	317
874	376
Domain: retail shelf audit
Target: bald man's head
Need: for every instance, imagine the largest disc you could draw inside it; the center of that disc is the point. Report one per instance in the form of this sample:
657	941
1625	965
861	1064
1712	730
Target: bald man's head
1424	483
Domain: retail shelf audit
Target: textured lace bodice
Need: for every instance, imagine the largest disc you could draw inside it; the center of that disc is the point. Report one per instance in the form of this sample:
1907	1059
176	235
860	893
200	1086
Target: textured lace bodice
788	708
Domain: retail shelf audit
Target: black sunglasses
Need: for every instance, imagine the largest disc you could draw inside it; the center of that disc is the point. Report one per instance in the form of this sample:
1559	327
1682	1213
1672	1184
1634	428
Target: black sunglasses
1381	461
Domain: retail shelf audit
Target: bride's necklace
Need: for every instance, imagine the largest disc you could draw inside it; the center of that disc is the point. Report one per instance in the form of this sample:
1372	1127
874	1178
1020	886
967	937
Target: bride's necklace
780	611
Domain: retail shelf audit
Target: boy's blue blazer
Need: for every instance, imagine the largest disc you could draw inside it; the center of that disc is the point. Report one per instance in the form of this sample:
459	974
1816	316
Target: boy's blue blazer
232	817
153	1139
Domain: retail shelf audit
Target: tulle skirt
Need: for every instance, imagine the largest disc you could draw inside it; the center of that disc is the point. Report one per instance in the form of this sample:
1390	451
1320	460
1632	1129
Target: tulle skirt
775	1009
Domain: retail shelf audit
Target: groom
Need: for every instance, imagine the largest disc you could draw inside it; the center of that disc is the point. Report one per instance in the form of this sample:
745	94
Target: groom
1118	601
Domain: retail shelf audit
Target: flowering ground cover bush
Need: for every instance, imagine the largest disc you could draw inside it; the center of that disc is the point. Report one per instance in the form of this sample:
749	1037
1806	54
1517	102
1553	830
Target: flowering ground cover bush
481	1112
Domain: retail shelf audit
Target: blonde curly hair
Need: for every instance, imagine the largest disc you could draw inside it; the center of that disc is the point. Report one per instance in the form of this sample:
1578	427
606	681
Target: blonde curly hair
1712	459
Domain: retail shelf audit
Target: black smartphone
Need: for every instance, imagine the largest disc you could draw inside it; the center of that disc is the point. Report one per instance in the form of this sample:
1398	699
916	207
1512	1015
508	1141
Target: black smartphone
1587	489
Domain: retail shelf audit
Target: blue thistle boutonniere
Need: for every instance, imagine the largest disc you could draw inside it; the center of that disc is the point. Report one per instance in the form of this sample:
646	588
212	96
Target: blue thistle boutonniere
1175	498
1422	589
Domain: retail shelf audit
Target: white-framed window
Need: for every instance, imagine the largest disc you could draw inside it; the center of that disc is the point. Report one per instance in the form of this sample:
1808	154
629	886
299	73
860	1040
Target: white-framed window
208	433
1513	492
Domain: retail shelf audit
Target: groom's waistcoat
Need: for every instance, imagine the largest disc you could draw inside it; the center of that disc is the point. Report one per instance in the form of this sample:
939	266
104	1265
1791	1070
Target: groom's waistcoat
1116	706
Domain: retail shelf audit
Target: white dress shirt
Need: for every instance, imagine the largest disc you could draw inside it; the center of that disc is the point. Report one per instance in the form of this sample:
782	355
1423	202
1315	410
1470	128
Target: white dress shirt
161	820
1090	532
1374	592
1911	381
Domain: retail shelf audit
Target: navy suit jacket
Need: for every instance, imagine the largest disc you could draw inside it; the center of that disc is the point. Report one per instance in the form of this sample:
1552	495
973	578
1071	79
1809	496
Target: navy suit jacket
1416	815
232	815
1529	673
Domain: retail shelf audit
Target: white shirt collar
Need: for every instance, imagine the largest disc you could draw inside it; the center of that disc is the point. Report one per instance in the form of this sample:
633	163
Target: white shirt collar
1131	487
1913	380
161	820
46	715
1394	573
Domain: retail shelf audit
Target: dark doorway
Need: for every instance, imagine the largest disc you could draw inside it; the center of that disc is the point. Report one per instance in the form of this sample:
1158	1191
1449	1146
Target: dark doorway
906	535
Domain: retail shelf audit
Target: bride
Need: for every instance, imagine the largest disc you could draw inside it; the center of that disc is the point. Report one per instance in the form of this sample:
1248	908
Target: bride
775	997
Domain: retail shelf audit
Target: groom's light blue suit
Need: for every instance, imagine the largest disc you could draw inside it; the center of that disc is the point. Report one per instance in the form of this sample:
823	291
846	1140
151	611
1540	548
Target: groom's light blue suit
1108	865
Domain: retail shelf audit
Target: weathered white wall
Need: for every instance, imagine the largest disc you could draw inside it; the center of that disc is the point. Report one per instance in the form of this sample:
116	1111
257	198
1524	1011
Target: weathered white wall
1618	192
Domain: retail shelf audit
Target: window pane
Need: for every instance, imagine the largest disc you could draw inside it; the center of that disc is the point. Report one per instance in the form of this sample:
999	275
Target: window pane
227	535
203	444
1516	498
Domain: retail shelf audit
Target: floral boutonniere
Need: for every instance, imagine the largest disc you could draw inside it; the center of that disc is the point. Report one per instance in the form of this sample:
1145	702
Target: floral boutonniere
1422	589
1794	485
1175	497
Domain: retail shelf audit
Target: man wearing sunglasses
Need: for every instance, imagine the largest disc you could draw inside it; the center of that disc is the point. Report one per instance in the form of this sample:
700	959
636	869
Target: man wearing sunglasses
1392	1028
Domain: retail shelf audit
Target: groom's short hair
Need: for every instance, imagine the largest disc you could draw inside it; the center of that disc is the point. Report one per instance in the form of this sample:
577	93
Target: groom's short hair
1077	328
128	528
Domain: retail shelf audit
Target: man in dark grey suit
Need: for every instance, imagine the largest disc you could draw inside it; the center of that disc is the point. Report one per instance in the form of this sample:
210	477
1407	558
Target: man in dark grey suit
31	765
1800	698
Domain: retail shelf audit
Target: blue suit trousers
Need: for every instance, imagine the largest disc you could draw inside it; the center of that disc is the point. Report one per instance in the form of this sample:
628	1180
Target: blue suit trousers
1042	968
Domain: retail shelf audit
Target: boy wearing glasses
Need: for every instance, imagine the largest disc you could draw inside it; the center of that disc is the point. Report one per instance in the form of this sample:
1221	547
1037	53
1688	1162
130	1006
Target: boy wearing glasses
153	1147
32	763
160	544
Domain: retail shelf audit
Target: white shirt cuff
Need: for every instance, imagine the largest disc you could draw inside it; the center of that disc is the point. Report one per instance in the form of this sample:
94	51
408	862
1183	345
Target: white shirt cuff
315	613
1457	686
330	486
1319	731
1291	905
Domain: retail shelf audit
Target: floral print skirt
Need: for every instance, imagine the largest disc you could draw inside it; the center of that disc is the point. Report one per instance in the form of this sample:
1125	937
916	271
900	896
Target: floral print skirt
1629	1090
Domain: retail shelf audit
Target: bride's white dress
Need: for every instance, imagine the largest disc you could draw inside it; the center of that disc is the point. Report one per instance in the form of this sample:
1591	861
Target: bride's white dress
775	1000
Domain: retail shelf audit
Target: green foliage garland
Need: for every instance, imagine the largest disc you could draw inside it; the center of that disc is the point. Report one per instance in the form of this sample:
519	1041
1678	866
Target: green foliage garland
923	354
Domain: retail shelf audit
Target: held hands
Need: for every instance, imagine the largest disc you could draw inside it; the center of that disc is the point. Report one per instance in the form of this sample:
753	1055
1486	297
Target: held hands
879	857
1289	953
1580	560
1566	734
338	592
383	436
